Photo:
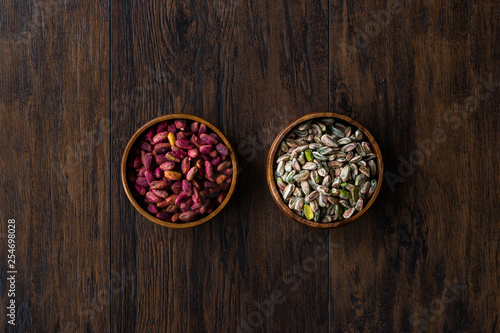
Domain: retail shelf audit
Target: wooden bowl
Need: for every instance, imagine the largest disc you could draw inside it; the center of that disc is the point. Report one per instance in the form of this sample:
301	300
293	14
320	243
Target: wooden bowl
146	213
271	165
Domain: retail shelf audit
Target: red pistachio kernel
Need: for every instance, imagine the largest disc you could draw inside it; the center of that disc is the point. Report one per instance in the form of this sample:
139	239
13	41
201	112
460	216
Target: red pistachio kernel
179	170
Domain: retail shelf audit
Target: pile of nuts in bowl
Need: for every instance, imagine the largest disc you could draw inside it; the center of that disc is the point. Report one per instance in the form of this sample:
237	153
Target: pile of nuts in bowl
179	170
325	171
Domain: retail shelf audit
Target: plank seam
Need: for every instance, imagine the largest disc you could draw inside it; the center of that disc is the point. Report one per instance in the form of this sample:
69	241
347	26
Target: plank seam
329	110
110	9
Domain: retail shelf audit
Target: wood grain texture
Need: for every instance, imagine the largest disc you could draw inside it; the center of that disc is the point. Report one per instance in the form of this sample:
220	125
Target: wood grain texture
282	76
423	77
249	67
54	103
402	75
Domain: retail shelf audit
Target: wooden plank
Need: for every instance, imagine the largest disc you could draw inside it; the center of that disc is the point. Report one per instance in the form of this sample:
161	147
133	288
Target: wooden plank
54	108
425	258
281	77
249	67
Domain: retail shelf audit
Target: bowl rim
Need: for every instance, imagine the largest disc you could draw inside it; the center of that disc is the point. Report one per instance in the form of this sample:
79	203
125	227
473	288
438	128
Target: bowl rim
148	215
270	169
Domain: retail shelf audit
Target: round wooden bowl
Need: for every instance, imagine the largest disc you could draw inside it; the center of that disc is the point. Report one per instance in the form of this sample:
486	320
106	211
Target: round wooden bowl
271	165
145	213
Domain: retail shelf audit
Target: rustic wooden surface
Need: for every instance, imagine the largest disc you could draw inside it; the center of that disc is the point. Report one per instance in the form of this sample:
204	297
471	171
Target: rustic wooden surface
54	102
77	78
440	224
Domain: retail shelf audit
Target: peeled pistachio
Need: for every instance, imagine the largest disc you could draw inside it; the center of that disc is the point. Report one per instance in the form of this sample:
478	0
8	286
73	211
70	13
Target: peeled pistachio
322	172
302	176
306	188
323	201
305	125
308	155
310	166
319	157
313	195
323	189
332	200
359	205
365	187
366	147
344	141
348	213
338	133
289	177
312	184
373	167
308	212
314	205
336	182
345	203
296	165
326	151
361	177
299	204
327	121
284	146
288	191
355	159
281	184
364	170
347	148
344	194
283	158
329	141
373	186
327	181
314	176
355	194
344	175
302	158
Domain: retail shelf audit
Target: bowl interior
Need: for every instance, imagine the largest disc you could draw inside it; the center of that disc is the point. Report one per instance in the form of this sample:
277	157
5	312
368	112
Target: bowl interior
271	167
131	197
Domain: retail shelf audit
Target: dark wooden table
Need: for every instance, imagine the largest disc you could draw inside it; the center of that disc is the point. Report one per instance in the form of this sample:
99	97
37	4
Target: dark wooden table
78	78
